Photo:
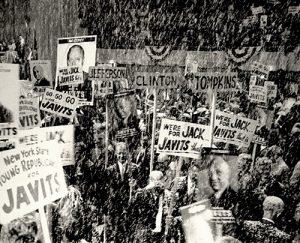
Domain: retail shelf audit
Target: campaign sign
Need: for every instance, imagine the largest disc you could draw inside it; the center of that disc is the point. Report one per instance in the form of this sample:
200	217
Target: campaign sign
217	81
271	89
233	129
30	178
69	75
9	100
59	103
260	68
29	116
77	51
183	138
62	137
258	94
104	75
41	75
143	80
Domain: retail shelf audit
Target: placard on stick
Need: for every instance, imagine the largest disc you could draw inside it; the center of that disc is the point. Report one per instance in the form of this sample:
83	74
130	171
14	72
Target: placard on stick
9	100
69	75
220	82
59	103
104	75
165	80
233	129
62	137
30	178
29	113
183	138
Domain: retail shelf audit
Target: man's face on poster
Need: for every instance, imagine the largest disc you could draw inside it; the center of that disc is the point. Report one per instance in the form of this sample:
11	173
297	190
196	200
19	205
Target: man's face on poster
75	56
38	72
219	176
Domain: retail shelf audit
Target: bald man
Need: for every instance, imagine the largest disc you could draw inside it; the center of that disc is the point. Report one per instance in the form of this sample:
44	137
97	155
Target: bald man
219	179
38	74
265	230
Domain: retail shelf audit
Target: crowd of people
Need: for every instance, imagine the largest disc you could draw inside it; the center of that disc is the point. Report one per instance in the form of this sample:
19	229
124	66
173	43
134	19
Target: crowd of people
193	25
116	193
125	202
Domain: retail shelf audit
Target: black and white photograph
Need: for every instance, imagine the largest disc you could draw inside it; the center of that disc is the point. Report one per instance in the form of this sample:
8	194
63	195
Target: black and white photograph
163	121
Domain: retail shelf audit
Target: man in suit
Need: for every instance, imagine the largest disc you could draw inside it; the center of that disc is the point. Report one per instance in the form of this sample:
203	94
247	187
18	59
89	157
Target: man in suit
121	179
265	230
38	74
146	211
219	174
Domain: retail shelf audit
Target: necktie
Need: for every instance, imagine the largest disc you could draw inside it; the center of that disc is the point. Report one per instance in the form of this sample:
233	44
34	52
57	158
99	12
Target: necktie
159	215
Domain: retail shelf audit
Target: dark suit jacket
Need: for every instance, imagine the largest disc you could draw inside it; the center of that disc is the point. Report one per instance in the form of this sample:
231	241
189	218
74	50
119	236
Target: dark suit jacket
264	232
228	199
42	82
118	189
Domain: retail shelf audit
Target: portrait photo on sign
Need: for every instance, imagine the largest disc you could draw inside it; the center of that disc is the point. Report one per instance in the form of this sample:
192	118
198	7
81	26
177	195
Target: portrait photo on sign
40	72
76	51
9	101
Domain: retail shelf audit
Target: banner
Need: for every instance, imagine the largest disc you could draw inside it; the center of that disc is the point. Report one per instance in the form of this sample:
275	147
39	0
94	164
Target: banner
62	137
143	80
233	129
29	179
115	77
41	75
77	51
70	75
29	115
9	100
271	89
220	82
183	138
59	103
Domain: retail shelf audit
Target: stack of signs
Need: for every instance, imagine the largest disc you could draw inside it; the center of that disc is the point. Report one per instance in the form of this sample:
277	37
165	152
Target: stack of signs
30	178
9	101
59	103
160	80
219	82
271	89
29	113
233	129
41	75
79	52
196	222
183	138
69	75
105	78
62	138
